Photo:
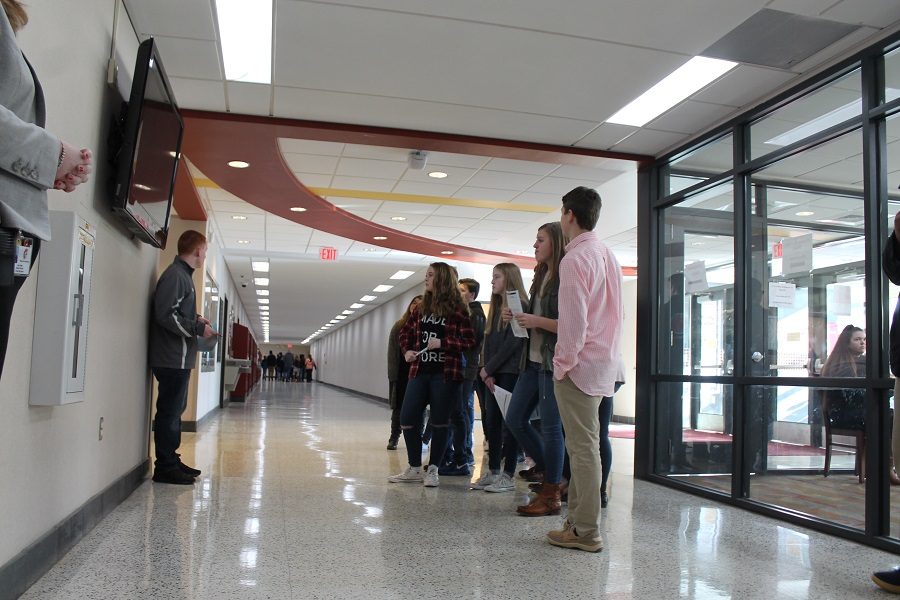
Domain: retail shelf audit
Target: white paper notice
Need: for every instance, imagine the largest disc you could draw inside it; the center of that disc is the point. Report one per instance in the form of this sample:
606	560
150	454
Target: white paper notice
797	255
841	304
503	397
515	306
781	295
695	277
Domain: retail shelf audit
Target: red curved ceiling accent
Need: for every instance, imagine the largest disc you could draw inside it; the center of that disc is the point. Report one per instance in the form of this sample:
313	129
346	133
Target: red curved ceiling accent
213	139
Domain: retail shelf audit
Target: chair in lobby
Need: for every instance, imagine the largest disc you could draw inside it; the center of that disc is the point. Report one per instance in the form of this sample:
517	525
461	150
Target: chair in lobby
832	402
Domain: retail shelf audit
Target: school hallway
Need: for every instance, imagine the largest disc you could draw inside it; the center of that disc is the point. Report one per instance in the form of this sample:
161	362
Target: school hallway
294	502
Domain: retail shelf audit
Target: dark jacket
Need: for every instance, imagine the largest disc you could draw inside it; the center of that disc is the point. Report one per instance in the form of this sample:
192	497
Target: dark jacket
473	354
174	325
890	264
550	310
502	349
397	366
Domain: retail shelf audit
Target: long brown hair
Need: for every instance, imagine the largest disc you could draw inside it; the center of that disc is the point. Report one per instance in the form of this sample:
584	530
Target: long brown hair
444	299
841	354
409	308
15	12
542	270
512	277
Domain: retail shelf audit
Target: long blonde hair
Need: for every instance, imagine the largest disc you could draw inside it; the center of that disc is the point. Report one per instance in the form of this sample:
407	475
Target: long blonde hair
15	12
512	276
444	299
543	270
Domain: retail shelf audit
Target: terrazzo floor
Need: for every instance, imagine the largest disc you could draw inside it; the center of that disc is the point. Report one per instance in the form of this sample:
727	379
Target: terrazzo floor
294	503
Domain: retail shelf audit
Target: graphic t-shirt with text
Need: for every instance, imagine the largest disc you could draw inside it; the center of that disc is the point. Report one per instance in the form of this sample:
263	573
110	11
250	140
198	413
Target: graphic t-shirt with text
431	326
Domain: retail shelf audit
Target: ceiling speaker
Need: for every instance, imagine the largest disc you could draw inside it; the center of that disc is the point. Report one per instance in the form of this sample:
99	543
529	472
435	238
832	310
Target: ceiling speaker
417	159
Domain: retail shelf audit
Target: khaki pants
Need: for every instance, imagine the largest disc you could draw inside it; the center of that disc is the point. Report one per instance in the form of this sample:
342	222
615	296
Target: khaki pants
581	422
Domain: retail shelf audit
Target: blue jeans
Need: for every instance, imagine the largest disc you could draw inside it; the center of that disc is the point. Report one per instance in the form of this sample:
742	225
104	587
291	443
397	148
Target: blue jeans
421	391
547	447
170	404
469	406
501	442
606	409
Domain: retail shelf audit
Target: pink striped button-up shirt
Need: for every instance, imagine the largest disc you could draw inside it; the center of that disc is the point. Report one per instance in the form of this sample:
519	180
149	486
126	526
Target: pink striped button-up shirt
590	316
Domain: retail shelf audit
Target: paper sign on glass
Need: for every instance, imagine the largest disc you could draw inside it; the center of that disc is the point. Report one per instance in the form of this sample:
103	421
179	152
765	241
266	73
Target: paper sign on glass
841	304
781	295
515	305
797	256
695	277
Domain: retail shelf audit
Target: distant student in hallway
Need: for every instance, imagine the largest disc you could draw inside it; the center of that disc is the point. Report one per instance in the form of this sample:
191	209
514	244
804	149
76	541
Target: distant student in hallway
174	328
309	366
398	373
435	336
586	361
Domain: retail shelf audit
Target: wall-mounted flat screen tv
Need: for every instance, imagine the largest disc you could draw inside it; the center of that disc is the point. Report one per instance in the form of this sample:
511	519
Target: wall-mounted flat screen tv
146	150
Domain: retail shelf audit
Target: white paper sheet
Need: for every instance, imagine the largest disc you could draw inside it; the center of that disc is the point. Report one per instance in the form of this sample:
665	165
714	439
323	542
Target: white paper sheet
515	305
503	397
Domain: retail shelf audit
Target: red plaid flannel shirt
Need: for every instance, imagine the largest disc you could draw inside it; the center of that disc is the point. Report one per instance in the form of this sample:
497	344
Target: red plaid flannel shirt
459	336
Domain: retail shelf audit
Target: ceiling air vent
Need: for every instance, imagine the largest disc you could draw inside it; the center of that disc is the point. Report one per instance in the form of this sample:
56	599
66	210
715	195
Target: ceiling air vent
773	38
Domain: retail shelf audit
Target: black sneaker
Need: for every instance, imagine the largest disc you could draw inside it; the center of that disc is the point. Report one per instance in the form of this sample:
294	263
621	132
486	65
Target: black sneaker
189	470
173	476
392	444
452	470
888	580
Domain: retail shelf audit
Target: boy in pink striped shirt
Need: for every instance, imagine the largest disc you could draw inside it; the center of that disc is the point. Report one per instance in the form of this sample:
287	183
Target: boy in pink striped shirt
586	360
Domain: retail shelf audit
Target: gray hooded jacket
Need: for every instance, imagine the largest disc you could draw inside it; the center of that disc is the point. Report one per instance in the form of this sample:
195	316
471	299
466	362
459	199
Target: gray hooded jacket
174	324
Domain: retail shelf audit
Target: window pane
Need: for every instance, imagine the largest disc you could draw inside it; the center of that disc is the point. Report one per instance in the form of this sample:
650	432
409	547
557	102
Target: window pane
696	301
699	165
808	115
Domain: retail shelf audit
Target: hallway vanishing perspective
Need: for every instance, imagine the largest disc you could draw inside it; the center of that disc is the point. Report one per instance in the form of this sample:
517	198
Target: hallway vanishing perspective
294	503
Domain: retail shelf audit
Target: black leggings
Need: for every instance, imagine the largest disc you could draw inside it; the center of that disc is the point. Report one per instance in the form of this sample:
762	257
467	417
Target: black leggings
8	295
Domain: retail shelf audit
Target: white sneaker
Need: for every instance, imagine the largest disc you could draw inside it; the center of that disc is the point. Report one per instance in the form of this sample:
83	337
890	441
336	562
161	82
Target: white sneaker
504	483
487	479
431	477
410	475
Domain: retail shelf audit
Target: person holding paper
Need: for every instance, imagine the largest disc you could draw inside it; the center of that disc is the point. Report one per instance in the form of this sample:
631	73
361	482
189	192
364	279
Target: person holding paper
586	361
432	341
502	352
534	388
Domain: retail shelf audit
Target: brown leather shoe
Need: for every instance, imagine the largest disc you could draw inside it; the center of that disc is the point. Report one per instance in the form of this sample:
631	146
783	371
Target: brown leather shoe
547	502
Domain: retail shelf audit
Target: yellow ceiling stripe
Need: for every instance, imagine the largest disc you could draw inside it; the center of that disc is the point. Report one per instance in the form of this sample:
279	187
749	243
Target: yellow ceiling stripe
421	199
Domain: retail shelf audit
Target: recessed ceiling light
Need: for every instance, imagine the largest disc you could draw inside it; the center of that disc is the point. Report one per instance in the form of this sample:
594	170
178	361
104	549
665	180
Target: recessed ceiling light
398	218
238	164
367	298
356	305
681	83
332	322
298	209
243	241
379	237
263	281
370	249
348	312
262	300
382	288
437	174
239	217
446	251
260	266
401	274
246	39
262	292
805	213
341	317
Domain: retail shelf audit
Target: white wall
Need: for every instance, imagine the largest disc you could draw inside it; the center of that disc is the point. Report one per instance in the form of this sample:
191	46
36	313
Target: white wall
51	460
623	404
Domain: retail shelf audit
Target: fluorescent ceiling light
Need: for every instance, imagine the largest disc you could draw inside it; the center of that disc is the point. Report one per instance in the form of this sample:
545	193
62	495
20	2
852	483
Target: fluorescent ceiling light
684	81
356	305
401	274
298	209
382	288
236	217
260	266
348	312
379	237
238	164
246	34
398	218
805	213
332	322
262	300
341	317
367	298
446	251
262	292
243	241
263	281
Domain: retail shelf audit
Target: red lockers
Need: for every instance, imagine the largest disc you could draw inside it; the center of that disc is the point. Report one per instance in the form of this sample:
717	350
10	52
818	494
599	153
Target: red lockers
244	346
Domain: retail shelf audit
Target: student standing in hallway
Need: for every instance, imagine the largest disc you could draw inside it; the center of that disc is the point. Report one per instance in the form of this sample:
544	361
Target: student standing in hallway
585	364
173	353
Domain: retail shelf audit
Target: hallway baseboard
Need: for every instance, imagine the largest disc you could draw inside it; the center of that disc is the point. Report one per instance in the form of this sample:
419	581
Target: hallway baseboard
28	566
362	395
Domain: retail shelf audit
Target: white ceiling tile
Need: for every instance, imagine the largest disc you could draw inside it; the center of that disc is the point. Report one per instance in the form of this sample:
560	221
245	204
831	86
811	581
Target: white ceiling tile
441	234
649	141
446	221
502	181
425	189
199	94
691	117
744	84
455	175
542	199
365	213
477	193
293	145
238	206
875	13
468	212
194	59
605	136
378	169
354	203
495	226
362	183
320	238
557	186
249	98
313	180
311	163
176	18
520	166
376	152
598	175
466	161
516	216
406	208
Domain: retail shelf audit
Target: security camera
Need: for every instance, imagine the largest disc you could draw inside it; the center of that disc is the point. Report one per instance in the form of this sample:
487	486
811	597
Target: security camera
417	159
243	285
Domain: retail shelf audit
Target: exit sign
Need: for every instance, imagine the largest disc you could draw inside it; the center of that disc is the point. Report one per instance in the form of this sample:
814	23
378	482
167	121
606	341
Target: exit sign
328	253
